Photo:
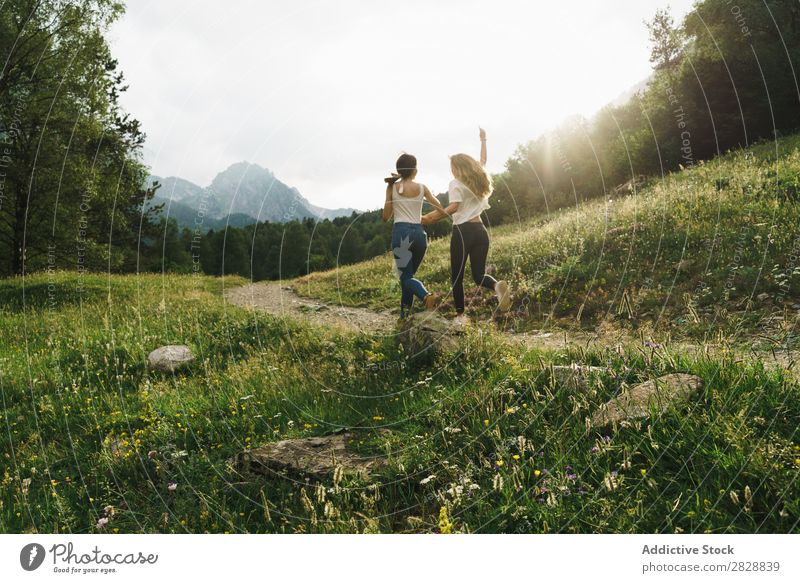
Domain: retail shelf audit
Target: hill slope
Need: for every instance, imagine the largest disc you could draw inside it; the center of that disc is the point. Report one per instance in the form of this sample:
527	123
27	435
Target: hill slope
713	246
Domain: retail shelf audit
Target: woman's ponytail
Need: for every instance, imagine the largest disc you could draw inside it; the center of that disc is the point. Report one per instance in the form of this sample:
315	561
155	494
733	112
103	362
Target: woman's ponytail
392	179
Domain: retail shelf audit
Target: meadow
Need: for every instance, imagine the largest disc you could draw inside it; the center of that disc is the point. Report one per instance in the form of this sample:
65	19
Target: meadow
93	441
709	250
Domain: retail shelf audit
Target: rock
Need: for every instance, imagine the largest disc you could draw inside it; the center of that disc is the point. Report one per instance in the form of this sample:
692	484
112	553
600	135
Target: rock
637	402
427	333
574	377
170	358
762	297
311	456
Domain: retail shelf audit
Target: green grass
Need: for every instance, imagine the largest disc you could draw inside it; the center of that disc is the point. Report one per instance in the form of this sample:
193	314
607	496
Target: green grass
81	416
687	255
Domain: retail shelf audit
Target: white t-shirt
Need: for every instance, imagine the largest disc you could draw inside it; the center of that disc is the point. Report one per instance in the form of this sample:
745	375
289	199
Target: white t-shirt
470	205
407	209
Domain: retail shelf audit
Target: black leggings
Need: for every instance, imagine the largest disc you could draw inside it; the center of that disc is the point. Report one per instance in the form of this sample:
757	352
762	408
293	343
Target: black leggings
469	240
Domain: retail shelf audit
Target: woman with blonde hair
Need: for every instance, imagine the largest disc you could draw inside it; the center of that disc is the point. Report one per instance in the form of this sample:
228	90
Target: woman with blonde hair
469	193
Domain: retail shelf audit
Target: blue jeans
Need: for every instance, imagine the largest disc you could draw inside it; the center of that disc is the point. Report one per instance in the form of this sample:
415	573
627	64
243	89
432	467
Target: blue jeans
409	243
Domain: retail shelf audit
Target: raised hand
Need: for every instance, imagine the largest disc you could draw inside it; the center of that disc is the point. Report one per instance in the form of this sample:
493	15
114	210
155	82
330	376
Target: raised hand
482	133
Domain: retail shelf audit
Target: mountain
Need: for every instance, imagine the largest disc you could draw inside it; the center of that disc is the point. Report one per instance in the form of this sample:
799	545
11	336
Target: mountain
242	194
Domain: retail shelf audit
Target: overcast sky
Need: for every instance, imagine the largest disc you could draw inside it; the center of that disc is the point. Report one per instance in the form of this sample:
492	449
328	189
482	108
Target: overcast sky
328	94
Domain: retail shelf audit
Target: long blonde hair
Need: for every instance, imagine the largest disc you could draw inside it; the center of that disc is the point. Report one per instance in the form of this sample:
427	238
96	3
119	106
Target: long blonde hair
470	173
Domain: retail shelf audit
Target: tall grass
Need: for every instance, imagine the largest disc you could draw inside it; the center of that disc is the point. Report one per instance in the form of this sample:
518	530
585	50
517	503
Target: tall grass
484	442
689	253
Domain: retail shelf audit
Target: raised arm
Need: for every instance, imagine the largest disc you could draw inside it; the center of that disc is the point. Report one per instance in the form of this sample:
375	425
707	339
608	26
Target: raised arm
482	134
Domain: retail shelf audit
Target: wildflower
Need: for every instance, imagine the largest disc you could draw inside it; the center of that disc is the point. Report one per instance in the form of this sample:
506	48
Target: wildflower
515	456
690	514
643	472
499	463
445	526
152	454
486	423
377	418
524	405
102	522
109	510
497	483
172	486
595	449
536	473
797	462
572	476
427	480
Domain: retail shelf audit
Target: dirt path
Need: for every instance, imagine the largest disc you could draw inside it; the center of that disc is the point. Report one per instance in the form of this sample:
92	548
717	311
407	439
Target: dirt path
281	300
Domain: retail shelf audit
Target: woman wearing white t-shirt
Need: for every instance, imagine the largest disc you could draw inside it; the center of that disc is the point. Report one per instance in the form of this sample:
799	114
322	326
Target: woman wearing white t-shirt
468	197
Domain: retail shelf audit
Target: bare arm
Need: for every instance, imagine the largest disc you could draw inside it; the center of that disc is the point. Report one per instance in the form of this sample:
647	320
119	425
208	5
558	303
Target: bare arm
434	202
482	134
436	215
388	208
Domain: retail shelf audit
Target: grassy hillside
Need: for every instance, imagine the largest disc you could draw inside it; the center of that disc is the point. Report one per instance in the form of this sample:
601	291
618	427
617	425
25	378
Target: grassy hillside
484	443
688	254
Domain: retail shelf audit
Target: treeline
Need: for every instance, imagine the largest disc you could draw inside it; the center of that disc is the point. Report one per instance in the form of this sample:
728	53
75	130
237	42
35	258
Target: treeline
276	250
724	78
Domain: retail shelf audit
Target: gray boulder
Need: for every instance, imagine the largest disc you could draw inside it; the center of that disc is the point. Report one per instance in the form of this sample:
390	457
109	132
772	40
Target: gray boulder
426	333
170	358
318	457
655	395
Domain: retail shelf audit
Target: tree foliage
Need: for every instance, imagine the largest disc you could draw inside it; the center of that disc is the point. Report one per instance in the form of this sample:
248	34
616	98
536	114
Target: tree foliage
72	180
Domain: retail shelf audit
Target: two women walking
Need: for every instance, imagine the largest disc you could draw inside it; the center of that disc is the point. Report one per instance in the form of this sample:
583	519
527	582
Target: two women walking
468	194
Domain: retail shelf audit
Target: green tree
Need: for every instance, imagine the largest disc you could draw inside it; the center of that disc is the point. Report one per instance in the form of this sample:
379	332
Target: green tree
71	173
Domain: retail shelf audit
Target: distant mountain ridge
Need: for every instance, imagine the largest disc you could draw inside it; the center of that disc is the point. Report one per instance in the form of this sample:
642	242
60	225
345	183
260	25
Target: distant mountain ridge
244	193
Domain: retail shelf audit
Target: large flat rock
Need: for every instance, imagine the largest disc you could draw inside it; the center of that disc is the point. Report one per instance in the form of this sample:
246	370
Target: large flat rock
656	395
311	456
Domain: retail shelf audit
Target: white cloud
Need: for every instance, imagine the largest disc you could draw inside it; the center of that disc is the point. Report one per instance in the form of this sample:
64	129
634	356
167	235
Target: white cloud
327	94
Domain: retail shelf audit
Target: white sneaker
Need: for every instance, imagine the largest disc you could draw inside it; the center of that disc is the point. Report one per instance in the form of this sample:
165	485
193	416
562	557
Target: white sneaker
503	292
